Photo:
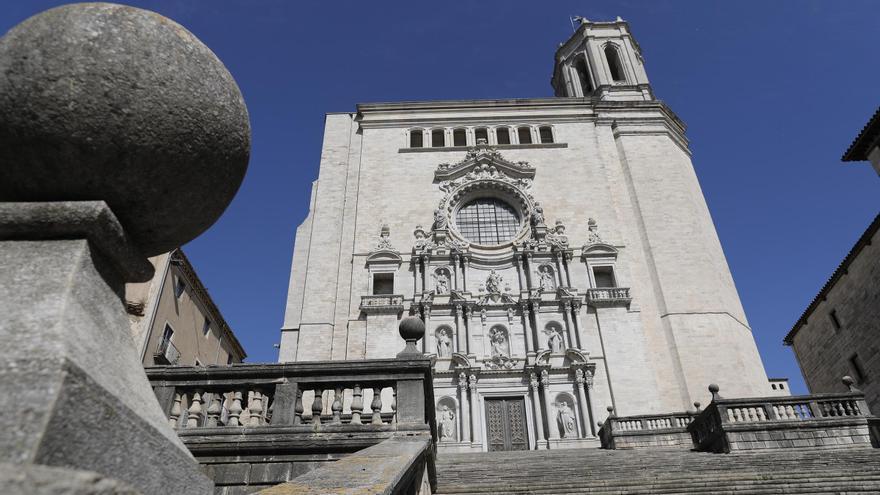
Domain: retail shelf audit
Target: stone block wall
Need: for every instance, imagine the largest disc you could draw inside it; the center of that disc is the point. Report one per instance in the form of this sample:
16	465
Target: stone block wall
810	434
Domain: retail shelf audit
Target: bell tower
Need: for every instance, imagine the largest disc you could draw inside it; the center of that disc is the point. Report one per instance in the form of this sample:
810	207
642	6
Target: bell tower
601	60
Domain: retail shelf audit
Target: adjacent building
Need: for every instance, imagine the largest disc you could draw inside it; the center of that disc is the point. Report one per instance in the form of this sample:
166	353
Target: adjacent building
559	250
175	321
866	146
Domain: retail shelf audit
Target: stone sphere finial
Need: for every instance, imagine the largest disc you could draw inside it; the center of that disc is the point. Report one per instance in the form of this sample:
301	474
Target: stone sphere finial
849	383
114	103
411	328
713	389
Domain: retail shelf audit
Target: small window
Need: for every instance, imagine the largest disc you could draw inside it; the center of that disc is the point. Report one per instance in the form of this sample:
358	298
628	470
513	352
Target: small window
858	370
773	386
197	362
614	64
459	137
781	386
383	283
168	333
503	135
546	134
206	328
525	135
416	139
438	138
483	134
835	322
580	66
179	286
604	276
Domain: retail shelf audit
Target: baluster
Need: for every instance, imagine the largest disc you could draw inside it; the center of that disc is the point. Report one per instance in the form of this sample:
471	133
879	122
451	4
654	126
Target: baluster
776	412
357	404
213	411
731	416
298	407
836	408
175	411
376	405
235	409
317	406
846	408
394	404
337	406
255	408
762	416
856	410
194	411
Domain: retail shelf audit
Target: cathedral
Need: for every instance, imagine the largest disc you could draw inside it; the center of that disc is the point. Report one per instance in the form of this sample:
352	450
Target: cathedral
559	250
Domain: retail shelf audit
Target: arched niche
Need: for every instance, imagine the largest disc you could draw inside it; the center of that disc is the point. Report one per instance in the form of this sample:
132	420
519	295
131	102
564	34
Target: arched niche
565	415
554	337
447	419
444	338
546	274
499	341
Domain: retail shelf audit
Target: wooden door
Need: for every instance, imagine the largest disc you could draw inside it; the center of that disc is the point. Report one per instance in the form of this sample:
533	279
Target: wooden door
506	424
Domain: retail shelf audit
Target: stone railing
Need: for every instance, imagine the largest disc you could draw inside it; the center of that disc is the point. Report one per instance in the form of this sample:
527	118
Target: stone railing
609	296
645	430
780	422
382	303
275	418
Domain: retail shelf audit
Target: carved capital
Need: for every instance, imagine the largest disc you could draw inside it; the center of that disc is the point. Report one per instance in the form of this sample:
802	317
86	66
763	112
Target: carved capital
472	381
533	381
462	381
545	378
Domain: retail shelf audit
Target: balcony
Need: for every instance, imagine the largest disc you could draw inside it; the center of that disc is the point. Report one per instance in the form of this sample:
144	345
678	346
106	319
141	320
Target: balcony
166	353
383	303
608	297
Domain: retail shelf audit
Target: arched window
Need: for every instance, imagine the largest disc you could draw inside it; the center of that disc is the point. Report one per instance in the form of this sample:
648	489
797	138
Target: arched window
546	134
459	137
525	135
481	133
416	139
487	221
614	64
438	138
503	135
580	66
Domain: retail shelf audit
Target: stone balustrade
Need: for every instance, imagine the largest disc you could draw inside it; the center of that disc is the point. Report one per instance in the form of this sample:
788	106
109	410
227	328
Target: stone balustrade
780	422
382	303
650	430
608	296
273	418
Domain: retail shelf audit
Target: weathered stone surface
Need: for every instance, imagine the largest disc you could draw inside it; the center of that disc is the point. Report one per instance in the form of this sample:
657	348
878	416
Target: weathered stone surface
104	101
44	480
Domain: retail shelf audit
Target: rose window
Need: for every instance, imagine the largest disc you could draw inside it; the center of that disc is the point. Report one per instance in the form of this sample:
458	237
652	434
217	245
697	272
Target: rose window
487	221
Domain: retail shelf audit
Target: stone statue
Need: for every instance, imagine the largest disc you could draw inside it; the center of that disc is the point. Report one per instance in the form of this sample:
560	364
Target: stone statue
593	235
446	423
565	418
441	282
493	283
546	280
444	344
439	219
555	341
538	215
499	342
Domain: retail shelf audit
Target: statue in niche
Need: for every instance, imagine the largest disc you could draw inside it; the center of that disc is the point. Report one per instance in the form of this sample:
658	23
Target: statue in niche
446	423
493	283
593	235
555	341
444	343
538	215
546	280
441	281
498	339
565	418
439	219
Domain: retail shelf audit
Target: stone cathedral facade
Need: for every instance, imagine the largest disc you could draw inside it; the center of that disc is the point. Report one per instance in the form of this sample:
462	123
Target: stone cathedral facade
559	250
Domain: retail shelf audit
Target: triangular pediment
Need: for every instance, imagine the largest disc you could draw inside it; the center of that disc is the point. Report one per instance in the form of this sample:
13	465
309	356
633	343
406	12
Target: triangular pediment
484	160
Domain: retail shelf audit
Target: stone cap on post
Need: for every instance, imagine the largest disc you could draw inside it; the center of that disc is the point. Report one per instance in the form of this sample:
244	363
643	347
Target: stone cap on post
412	329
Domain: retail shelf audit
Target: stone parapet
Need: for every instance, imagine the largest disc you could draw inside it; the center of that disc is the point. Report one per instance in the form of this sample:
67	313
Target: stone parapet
650	430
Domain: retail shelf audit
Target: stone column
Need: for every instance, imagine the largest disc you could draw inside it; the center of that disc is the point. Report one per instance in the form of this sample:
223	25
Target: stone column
417	273
550	407
527	268
574	339
586	417
527	326
466	272
536	411
566	257
560	272
476	417
467	325
464	408
151	129
458	329
455	271
576	319
429	344
517	259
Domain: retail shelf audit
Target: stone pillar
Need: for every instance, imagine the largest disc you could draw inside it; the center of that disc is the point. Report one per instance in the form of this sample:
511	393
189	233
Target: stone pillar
586	417
527	327
464	408
527	269
466	272
566	317
517	259
469	343
576	319
550	407
560	272
455	271
458	329
566	257
417	273
536	411
150	127
429	344
476	417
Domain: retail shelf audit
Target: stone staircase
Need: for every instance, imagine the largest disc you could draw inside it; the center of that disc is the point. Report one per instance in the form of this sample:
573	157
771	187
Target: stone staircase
837	471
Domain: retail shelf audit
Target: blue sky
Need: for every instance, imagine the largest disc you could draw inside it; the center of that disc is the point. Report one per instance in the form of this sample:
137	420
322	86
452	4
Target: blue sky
772	93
